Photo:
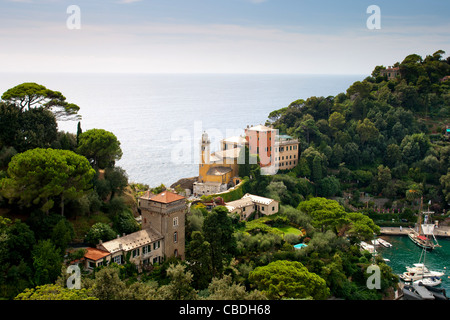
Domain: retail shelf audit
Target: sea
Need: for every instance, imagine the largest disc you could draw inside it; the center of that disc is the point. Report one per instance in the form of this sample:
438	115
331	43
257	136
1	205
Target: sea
159	118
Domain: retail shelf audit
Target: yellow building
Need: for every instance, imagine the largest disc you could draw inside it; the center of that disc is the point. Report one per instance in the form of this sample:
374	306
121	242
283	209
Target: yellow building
287	155
217	171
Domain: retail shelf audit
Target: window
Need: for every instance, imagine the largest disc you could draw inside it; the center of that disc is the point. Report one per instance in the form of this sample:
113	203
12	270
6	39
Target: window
155	260
135	253
175	253
175	221
117	259
175	237
91	265
262	208
273	208
146	249
156	245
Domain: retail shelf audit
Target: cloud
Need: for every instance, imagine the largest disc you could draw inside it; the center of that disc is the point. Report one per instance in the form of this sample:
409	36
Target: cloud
217	48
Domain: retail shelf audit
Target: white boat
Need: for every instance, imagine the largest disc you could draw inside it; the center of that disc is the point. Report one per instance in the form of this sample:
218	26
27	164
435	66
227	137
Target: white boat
420	268
418	272
420	237
384	243
381	242
431	282
368	247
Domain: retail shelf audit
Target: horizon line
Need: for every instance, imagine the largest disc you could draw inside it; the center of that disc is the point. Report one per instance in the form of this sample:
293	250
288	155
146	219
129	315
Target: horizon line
181	73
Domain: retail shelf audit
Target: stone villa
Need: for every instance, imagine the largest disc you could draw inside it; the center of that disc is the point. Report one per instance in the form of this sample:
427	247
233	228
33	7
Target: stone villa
162	235
390	72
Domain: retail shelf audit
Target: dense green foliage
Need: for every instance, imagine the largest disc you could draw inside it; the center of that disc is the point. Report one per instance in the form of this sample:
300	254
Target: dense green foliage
101	147
288	279
51	185
30	95
383	137
37	176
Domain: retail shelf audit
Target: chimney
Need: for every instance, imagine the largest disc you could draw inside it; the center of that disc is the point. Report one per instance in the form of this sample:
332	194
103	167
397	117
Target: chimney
100	242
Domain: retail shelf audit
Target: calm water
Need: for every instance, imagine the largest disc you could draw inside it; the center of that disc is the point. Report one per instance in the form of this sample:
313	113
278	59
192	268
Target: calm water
405	253
150	113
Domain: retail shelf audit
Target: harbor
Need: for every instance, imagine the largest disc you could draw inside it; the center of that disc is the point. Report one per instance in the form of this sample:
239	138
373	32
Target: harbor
405	253
440	232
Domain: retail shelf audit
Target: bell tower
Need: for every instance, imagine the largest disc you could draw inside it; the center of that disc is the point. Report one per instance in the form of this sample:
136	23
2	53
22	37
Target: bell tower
205	154
205	147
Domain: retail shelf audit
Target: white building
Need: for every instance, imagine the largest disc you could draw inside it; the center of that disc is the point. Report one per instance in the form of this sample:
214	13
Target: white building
250	203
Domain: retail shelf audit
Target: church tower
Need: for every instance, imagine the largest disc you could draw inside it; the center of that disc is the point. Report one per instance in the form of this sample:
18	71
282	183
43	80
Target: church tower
166	213
205	157
205	147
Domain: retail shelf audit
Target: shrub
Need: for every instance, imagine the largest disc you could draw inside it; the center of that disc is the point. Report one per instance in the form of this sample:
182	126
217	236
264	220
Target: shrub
99	231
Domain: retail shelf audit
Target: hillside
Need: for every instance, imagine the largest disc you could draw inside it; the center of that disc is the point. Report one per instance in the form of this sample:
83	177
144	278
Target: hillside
382	137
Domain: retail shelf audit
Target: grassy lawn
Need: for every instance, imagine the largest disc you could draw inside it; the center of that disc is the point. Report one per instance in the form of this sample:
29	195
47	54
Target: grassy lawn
289	229
260	225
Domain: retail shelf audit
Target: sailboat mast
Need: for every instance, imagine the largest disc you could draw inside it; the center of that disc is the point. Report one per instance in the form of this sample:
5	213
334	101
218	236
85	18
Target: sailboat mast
419	229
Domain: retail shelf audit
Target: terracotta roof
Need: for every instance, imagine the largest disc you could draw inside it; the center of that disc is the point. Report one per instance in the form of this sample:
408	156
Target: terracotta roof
167	197
95	254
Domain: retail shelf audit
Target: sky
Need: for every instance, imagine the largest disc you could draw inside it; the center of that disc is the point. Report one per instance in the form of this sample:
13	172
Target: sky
218	36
